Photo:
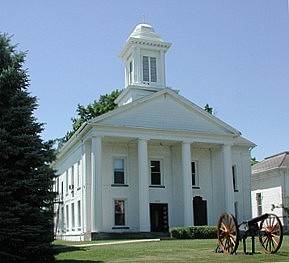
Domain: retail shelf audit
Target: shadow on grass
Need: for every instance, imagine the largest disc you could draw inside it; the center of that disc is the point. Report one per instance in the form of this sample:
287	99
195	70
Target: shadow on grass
64	249
78	261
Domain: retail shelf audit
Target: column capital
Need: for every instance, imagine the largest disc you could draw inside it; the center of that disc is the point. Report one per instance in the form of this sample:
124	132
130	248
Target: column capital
96	136
85	141
228	144
143	139
187	142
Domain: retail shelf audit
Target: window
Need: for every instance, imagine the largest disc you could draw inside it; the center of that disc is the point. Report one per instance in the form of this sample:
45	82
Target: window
62	190
155	172
130	73
145	66
67	218
72	216
78	174
149	69
79	213
66	182
118	170
195	176
234	178
57	185
62	219
259	204
119	214
72	177
153	66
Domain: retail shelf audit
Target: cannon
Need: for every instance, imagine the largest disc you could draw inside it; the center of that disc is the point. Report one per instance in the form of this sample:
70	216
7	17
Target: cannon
267	228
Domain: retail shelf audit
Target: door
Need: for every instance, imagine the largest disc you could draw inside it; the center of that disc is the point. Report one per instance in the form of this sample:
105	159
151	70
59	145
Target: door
159	217
200	211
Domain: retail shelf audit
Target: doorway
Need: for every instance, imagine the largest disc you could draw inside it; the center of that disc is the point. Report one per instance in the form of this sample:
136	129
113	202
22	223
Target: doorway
159	217
200	211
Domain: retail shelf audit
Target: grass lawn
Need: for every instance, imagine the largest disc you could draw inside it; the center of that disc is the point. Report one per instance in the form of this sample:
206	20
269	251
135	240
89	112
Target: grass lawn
166	251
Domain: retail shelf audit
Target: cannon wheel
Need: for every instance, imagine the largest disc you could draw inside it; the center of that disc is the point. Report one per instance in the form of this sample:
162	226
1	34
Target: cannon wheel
272	240
228	233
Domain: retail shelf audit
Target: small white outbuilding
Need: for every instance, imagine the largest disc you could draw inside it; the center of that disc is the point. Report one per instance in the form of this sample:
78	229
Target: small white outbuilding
270	186
156	161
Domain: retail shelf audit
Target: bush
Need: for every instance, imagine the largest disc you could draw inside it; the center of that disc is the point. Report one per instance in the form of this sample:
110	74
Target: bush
194	232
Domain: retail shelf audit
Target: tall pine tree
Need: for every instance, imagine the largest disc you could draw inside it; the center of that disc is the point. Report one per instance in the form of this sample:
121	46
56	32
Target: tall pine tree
26	179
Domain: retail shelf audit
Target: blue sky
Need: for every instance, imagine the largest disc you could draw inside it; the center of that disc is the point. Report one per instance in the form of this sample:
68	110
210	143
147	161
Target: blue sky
230	54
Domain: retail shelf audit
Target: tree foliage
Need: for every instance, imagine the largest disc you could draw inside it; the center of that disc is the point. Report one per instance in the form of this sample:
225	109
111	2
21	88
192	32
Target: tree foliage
254	161
92	110
208	109
26	206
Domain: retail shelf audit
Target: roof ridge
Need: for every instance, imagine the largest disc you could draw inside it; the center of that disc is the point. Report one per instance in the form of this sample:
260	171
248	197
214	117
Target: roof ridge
285	154
277	154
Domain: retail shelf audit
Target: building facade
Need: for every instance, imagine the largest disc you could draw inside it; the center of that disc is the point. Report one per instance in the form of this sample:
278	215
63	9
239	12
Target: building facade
270	187
156	161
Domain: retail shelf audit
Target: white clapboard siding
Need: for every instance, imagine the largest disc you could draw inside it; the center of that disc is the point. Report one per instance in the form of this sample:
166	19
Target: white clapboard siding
164	112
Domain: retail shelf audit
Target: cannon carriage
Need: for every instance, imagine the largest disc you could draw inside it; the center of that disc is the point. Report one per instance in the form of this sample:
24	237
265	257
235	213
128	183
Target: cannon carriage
267	228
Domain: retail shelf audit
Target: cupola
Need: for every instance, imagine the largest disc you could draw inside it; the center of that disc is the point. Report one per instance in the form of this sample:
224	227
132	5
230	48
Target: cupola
144	59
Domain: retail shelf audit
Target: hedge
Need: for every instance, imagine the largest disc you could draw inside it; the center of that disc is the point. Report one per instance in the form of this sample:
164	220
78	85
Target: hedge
194	232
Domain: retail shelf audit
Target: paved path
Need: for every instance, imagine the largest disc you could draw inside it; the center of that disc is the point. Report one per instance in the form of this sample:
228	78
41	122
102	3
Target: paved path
117	242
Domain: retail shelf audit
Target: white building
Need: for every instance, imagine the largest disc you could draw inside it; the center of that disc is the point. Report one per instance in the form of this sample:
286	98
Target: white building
270	186
156	161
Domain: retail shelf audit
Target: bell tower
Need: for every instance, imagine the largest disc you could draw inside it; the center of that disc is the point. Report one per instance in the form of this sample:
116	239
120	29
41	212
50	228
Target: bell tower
144	60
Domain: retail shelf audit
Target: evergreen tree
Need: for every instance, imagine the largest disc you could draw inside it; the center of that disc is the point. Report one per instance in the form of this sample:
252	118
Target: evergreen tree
26	179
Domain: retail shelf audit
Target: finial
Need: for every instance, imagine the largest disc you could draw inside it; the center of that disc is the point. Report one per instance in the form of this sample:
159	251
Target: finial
144	18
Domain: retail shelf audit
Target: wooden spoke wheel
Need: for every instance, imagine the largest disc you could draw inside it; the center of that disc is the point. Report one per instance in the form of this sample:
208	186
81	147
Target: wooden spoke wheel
272	239
228	233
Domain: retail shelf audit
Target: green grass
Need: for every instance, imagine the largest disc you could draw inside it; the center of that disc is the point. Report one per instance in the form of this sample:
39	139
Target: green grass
167	251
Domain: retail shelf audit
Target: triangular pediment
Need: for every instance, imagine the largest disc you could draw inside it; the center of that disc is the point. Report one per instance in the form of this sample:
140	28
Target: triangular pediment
167	111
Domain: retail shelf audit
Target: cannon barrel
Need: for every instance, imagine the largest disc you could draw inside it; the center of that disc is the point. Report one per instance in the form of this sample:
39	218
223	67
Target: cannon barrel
257	219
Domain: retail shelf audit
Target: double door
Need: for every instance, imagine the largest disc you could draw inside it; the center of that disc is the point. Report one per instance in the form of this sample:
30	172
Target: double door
159	217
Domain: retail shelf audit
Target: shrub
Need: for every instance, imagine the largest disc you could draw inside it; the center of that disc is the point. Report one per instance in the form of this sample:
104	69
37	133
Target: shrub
194	232
181	233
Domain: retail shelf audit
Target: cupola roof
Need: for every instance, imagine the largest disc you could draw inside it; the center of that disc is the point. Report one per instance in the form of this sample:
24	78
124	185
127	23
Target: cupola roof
145	31
143	35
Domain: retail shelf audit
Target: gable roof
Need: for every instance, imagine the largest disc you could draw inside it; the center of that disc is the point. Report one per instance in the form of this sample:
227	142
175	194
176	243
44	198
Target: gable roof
85	127
130	107
275	161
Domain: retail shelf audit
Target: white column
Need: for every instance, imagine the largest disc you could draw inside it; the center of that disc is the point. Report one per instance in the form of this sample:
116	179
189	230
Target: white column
125	76
137	66
187	183
144	217
86	185
162	68
96	194
228	179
